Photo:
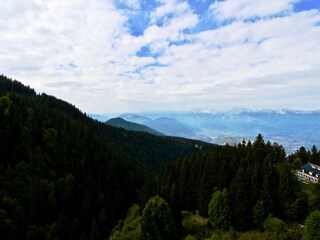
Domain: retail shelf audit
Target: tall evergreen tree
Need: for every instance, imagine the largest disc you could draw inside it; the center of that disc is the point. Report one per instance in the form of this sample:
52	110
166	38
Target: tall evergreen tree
312	226
219	212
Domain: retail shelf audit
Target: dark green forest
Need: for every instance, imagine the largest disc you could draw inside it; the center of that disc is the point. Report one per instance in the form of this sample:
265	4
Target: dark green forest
64	175
256	176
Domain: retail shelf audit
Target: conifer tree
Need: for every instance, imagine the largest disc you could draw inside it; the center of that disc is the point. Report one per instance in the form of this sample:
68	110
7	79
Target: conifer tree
219	210
312	226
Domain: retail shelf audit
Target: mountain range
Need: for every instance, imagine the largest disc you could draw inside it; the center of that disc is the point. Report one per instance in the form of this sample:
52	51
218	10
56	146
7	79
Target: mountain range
166	125
290	128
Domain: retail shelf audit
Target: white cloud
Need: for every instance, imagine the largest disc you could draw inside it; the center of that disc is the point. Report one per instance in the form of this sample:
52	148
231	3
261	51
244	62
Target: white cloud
83	52
244	9
215	68
170	6
159	37
45	35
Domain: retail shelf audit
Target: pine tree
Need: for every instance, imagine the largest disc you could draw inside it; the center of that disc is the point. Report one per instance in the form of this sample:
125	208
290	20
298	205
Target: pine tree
312	226
219	210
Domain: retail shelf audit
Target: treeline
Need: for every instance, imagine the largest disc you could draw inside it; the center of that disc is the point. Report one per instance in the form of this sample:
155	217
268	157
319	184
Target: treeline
303	156
255	176
66	176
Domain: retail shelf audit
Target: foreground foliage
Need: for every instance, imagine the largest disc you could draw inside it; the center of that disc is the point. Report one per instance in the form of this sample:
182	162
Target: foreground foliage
220	209
312	228
155	222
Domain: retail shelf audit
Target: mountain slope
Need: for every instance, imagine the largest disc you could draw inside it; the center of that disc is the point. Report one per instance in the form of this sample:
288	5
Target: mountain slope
66	176
56	170
172	127
168	126
98	117
131	126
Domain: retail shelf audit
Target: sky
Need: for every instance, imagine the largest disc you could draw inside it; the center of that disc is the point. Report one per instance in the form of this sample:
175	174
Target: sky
109	56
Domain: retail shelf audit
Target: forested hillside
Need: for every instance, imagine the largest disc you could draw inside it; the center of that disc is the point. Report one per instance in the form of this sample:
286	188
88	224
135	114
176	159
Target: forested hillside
248	191
66	176
240	187
121	123
256	177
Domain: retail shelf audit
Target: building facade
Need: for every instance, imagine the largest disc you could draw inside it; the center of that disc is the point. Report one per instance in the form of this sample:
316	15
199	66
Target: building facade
309	172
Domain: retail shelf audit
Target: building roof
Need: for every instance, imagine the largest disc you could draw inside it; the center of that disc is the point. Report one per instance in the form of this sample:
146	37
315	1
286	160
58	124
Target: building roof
308	167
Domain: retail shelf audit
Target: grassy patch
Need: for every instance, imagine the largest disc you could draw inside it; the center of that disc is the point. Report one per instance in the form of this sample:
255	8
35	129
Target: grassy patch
307	187
195	225
193	220
252	235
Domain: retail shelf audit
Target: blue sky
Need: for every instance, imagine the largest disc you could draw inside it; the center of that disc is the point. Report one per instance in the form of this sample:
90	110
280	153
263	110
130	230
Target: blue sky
110	56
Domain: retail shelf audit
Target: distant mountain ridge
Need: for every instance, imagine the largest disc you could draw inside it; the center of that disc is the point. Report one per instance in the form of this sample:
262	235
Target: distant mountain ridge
165	125
131	126
135	118
98	117
262	110
288	127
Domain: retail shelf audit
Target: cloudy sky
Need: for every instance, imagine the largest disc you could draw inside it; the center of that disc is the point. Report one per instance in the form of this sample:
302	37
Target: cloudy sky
165	55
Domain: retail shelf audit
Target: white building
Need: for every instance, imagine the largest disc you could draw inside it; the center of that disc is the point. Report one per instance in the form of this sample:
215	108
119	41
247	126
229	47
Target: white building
309	172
